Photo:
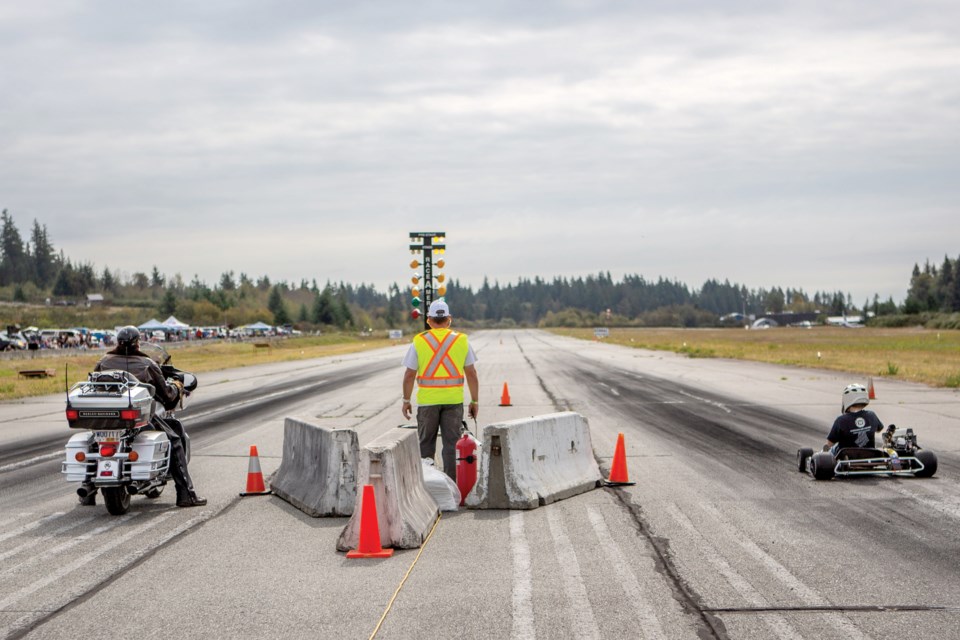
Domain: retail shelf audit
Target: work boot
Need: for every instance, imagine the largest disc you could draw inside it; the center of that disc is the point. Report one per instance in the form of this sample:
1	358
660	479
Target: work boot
190	499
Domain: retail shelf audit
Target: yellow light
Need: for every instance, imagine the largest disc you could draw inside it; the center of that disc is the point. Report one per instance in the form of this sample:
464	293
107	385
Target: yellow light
414	264
415	292
442	291
440	263
415	279
441	278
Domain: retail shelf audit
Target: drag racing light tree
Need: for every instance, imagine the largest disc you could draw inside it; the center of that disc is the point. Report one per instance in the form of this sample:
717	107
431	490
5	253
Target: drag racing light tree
426	243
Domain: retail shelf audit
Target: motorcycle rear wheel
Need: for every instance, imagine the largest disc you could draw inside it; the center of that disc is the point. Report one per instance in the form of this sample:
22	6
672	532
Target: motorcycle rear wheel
117	500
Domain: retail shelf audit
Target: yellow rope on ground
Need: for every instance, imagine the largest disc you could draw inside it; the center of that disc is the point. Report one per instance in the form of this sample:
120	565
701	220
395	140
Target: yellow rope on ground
376	629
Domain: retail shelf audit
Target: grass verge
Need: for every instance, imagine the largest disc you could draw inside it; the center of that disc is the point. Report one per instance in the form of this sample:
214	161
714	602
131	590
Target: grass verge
920	355
195	357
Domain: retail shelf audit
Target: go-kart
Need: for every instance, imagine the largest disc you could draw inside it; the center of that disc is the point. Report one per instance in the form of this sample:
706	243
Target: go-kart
899	456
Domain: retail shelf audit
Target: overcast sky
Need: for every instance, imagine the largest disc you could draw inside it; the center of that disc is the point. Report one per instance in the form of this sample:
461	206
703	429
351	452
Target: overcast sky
810	145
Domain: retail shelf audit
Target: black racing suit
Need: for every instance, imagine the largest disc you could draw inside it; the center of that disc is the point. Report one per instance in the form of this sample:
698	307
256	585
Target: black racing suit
148	371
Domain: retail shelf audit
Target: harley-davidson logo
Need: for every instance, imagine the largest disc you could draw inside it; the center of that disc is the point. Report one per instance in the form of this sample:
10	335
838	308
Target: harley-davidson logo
98	413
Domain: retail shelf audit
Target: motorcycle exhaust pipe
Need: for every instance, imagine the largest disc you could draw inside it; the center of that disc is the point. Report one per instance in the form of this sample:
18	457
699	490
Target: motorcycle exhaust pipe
86	490
133	489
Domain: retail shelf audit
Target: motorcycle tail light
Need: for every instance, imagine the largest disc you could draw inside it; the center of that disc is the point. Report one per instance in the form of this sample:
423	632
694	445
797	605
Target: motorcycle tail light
130	414
107	450
133	456
72	414
80	457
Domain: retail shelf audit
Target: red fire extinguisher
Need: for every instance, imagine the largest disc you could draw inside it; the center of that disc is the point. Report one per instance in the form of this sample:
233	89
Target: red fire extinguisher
466	465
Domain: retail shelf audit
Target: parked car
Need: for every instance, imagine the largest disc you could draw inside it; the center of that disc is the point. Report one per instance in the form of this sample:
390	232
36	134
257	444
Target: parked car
10	342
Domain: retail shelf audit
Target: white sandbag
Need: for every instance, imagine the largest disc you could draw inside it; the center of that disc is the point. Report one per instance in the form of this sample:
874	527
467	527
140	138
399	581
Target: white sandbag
439	485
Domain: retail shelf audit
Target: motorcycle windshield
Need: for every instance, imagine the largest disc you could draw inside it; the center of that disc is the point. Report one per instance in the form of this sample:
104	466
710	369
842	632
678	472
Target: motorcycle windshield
155	352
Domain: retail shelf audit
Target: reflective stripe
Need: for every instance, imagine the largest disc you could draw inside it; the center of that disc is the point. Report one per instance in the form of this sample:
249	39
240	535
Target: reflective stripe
441	355
440	382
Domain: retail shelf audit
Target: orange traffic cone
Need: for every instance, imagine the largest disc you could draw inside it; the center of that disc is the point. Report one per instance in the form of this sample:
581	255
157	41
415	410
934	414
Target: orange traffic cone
870	392
618	469
255	486
369	544
505	396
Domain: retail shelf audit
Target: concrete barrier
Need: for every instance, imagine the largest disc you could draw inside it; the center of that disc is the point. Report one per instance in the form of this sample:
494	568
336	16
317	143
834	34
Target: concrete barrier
318	473
405	510
534	461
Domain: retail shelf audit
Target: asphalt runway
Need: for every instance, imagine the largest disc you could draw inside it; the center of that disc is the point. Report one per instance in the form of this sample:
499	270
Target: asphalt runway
721	537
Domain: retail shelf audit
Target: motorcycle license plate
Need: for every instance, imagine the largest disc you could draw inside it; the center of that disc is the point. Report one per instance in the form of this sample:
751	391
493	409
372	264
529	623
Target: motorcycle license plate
108	469
107	436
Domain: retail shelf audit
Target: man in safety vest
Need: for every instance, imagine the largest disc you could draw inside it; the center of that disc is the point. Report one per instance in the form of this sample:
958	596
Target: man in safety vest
440	360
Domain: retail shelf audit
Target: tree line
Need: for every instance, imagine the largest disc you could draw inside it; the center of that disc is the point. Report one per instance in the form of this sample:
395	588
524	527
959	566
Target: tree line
33	271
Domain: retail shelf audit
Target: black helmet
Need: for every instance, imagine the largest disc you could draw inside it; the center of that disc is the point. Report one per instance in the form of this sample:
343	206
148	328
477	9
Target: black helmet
128	337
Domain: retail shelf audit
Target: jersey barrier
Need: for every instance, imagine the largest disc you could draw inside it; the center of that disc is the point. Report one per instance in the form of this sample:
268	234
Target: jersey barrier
534	461
318	473
405	510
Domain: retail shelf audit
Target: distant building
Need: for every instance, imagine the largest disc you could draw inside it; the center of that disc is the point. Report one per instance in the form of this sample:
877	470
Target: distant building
790	319
94	298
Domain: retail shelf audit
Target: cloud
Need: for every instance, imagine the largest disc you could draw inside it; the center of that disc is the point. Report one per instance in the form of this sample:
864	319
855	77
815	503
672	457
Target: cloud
778	144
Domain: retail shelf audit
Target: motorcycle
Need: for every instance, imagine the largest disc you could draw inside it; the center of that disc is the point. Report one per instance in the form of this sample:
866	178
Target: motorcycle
119	450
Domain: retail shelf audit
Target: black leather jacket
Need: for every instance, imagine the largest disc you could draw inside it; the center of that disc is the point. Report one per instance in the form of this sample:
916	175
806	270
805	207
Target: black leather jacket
145	370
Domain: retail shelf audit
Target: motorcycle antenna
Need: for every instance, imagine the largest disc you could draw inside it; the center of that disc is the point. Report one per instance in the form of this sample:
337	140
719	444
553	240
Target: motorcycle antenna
66	381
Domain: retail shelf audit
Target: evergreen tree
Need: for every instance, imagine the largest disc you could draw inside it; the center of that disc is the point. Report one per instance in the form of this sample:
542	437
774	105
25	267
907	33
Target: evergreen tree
44	257
277	306
14	265
168	306
227	282
323	308
156	278
108	282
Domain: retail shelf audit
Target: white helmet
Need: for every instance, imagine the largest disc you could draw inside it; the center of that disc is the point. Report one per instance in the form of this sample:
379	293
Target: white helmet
854	394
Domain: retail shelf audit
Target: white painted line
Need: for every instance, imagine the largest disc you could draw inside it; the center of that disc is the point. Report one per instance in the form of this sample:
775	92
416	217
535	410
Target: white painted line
579	611
16	517
719	405
254	399
67	595
37	540
780	627
807	595
950	510
29	526
523	627
26	463
69	544
101	548
636	594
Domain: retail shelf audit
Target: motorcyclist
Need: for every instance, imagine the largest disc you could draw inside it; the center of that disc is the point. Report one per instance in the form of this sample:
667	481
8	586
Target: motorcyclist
127	356
856	426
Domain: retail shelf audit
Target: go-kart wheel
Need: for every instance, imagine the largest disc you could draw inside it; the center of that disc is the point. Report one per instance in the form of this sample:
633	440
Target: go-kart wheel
822	465
929	460
803	455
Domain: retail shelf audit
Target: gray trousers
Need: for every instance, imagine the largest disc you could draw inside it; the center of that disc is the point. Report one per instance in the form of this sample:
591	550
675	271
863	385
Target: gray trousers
448	420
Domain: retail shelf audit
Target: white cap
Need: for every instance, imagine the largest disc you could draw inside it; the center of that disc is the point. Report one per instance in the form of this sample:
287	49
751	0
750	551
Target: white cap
438	309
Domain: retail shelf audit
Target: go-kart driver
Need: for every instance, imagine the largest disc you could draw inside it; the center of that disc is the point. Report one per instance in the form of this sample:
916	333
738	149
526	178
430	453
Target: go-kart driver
857	426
